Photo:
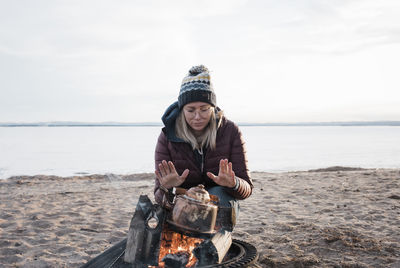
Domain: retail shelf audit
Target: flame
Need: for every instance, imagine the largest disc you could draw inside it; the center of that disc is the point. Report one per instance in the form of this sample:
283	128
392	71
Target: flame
172	243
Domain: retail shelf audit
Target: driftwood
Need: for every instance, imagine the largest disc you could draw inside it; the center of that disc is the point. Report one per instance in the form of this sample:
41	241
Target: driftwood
213	250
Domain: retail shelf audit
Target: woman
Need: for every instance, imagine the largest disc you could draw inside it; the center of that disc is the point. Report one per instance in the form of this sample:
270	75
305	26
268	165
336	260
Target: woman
198	145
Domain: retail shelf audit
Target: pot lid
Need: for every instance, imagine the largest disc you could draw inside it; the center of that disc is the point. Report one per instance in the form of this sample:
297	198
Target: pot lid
199	193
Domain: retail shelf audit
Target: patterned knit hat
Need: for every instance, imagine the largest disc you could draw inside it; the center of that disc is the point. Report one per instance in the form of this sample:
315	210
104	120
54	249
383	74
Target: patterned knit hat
196	86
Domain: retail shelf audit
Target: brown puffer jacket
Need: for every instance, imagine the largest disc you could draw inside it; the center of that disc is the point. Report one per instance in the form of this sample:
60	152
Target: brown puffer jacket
229	145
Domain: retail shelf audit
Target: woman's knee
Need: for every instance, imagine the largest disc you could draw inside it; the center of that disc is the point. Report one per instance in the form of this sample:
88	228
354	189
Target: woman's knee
225	199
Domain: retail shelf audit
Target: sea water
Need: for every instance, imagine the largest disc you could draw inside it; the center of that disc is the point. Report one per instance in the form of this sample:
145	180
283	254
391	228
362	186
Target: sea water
66	151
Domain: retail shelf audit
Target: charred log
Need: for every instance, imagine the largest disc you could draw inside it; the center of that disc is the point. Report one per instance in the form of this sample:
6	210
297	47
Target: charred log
213	251
177	260
144	236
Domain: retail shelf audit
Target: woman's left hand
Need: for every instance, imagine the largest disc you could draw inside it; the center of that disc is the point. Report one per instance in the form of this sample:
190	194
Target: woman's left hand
226	176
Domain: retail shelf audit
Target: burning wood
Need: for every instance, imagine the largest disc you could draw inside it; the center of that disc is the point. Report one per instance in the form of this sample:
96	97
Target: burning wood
177	260
173	243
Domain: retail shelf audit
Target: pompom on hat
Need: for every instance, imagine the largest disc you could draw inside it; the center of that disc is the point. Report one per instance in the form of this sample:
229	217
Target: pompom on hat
196	86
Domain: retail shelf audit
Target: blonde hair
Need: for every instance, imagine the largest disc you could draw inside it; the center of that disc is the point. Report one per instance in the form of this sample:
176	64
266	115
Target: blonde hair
207	139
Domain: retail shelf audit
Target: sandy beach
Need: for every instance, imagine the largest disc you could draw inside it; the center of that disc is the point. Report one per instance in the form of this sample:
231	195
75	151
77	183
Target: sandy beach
339	217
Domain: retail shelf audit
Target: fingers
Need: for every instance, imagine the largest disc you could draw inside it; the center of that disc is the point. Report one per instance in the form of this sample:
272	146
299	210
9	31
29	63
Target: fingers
158	176
168	176
171	167
162	171
167	172
211	176
225	166
166	167
226	174
230	170
184	174
222	166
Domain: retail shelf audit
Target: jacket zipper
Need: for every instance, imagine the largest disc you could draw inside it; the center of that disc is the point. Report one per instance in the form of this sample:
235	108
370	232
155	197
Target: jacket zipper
202	163
202	159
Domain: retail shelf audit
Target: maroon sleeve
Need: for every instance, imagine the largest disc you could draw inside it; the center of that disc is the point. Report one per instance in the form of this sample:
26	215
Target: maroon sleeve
239	161
161	153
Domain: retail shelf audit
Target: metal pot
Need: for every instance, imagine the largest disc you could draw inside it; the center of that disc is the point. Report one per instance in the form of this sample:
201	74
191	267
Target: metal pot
194	211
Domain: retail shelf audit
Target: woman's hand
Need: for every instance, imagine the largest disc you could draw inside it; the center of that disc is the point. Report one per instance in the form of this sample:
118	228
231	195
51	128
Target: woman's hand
167	175
226	176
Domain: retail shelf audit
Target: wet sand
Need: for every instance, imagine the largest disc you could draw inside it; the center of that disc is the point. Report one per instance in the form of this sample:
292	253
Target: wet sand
336	217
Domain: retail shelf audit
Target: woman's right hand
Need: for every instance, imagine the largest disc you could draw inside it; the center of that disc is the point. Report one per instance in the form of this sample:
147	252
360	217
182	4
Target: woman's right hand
167	175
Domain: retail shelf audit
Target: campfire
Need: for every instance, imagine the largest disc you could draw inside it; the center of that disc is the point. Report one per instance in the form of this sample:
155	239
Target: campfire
177	248
187	236
156	240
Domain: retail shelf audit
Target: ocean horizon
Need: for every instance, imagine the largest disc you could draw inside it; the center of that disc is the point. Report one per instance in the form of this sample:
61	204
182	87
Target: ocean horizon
149	124
80	150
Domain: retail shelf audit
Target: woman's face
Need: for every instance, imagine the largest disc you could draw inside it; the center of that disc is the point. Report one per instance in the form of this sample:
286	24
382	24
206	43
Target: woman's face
197	115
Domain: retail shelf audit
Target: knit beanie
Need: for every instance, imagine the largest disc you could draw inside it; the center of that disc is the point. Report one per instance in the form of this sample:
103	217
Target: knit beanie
196	86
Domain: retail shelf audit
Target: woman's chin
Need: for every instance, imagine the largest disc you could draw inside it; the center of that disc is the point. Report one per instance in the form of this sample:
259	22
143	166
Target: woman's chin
198	127
197	130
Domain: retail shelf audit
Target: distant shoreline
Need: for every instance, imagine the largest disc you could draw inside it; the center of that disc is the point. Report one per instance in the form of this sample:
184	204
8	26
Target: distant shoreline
154	124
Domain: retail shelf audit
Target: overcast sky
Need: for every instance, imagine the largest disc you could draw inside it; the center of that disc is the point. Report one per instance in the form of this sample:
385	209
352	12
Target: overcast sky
270	61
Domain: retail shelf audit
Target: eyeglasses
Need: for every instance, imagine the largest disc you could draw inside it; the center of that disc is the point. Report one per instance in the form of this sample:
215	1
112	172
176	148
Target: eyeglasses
203	112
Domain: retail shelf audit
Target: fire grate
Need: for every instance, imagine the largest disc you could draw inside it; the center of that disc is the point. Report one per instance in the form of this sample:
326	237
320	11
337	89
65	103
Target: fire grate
240	254
153	242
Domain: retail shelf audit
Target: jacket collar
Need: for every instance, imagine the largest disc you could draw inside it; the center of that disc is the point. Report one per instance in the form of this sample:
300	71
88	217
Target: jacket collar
169	119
